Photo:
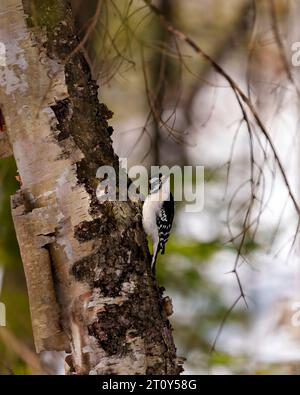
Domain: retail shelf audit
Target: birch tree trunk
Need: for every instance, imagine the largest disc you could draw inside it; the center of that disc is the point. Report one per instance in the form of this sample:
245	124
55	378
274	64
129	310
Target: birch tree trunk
87	264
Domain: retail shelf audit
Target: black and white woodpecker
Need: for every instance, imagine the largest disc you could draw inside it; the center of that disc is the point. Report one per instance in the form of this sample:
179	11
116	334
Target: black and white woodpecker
158	214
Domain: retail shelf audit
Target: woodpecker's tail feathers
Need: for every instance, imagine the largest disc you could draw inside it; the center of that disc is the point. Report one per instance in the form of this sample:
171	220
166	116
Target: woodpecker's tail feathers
154	257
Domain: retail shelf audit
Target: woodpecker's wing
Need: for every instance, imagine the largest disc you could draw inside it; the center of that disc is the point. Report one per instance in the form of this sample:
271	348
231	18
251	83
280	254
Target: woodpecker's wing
164	222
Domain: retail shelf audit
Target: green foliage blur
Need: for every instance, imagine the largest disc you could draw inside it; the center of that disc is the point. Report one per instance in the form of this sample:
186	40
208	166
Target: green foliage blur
14	293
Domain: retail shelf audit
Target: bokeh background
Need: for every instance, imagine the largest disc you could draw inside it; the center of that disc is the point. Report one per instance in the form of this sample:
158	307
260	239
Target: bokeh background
171	108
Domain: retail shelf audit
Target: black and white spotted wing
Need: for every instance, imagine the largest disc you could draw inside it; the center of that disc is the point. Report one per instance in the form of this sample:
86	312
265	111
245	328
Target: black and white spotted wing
164	222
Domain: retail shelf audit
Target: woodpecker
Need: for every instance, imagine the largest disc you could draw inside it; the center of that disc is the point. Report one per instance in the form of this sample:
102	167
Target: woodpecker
158	214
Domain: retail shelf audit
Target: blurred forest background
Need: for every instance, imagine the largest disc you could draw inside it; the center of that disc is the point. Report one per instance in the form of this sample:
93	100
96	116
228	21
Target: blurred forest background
170	107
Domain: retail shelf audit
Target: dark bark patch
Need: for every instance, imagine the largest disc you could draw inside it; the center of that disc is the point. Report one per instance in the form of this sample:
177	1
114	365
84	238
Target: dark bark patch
62	112
43	13
116	258
90	230
104	269
2	122
112	341
113	324
83	270
110	130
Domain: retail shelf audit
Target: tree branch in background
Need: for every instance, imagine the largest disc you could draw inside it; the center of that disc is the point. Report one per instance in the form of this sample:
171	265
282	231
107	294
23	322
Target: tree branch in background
22	351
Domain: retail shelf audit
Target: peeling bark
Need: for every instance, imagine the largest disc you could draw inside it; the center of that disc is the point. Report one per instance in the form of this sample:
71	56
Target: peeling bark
35	230
87	264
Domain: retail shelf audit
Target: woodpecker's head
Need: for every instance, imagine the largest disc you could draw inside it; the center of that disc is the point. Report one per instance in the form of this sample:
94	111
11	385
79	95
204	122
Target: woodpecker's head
156	182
